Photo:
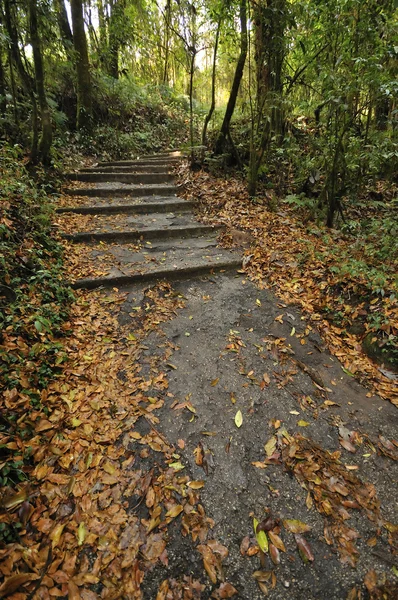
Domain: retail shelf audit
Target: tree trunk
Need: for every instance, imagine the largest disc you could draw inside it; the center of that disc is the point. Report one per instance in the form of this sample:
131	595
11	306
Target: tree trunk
84	99
220	144
213	87
13	88
3	98
270	23
167	43
46	126
103	33
116	26
191	74
24	77
64	27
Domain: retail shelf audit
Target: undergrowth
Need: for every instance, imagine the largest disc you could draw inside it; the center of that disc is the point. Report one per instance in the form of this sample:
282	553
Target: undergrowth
34	303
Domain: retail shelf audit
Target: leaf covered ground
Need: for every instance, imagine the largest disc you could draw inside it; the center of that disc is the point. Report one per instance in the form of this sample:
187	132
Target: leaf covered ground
192	444
319	270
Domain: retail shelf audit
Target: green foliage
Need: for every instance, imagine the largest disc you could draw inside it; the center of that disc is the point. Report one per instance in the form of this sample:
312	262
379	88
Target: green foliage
35	298
134	119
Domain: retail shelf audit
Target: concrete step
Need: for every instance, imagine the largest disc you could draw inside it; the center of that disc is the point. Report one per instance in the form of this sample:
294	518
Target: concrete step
139	234
109	189
133	208
188	272
135	178
166	154
128	169
146	162
167	259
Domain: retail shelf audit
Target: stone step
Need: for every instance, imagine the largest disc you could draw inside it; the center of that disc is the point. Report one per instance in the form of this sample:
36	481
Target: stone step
166	154
187	272
166	162
135	178
128	169
138	234
167	259
133	208
109	189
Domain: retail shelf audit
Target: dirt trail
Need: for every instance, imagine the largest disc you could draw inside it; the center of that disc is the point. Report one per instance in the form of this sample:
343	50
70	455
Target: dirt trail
255	407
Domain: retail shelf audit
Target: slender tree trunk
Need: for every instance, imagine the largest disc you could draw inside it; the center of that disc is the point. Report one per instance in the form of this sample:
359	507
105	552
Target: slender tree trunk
213	86
46	125
223	135
3	91
13	88
64	27
84	98
191	74
24	77
103	33
167	43
115	26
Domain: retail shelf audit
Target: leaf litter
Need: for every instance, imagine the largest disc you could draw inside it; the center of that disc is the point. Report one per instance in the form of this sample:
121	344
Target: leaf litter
294	261
93	516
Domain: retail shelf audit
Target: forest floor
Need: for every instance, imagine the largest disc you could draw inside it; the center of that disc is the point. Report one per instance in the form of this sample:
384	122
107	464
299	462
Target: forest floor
209	437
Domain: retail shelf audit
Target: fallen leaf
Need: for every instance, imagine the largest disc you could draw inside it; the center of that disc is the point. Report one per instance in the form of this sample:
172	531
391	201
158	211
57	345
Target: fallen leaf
304	548
196	485
261	537
295	526
14	582
238	419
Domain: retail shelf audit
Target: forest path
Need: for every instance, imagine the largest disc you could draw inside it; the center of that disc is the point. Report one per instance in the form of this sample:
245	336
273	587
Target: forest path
130	219
260	417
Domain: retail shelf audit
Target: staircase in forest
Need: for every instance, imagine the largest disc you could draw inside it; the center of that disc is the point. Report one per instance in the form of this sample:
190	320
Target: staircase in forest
133	221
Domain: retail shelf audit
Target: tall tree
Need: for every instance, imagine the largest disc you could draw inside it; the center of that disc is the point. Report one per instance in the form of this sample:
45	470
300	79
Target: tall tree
3	90
64	26
46	125
225	127
84	87
269	51
213	85
26	80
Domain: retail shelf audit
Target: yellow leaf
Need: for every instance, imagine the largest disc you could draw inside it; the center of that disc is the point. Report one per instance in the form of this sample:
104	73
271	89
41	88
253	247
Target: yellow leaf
56	533
196	485
215	381
109	468
16	499
302	423
175	511
270	447
295	526
238	419
81	533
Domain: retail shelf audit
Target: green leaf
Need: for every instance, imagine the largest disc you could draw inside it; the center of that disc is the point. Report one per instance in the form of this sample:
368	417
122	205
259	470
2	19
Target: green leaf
261	537
177	466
